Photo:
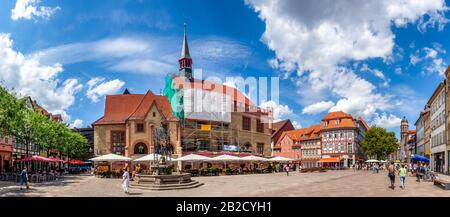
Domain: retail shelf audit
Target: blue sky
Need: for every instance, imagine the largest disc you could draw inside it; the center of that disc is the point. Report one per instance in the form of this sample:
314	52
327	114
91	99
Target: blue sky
380	64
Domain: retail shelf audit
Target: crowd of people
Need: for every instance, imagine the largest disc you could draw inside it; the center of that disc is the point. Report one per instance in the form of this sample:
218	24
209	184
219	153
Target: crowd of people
420	170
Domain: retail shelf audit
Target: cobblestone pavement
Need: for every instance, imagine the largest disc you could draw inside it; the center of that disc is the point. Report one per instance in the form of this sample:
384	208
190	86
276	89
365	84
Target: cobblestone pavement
328	184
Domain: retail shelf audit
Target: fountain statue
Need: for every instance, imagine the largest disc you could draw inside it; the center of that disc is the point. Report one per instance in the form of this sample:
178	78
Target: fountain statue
162	177
162	152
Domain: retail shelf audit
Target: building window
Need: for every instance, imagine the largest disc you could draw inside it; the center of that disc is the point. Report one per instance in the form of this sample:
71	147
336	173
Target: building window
260	148
140	127
349	148
154	114
246	124
118	142
259	126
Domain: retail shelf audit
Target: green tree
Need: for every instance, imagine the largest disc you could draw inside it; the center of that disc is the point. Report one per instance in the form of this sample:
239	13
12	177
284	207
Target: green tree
10	107
48	133
26	128
377	141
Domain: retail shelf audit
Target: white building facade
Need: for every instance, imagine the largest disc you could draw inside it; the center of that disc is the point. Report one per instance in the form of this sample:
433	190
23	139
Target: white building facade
437	104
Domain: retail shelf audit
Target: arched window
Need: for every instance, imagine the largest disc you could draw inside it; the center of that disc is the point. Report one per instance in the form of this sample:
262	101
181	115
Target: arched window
140	148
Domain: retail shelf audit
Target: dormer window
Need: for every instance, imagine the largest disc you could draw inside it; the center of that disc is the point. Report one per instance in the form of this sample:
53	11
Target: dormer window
338	121
326	123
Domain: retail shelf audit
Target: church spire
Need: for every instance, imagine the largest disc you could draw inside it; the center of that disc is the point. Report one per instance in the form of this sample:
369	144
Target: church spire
185	48
185	60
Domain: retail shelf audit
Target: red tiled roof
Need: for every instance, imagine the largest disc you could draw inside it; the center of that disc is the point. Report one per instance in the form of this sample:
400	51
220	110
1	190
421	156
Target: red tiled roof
335	115
363	122
119	108
412	131
57	117
345	120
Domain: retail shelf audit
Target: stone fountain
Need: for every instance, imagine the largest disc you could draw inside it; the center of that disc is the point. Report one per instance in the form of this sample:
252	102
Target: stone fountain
161	176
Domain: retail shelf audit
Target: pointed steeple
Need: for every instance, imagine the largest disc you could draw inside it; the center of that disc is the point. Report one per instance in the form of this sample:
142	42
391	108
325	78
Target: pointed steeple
126	91
185	60
185	48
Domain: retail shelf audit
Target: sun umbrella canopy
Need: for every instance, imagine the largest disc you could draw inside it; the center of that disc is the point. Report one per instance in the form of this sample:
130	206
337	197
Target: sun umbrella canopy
193	157
372	161
77	162
253	158
36	158
225	157
55	160
111	158
280	159
420	158
149	157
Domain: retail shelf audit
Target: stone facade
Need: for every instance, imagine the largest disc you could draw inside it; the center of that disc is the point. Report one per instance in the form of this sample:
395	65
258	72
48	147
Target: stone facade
133	135
251	136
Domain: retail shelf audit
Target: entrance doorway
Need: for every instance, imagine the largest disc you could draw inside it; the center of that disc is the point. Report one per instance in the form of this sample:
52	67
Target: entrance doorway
140	148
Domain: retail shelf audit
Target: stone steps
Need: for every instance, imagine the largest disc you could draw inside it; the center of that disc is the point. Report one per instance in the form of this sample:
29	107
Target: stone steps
153	187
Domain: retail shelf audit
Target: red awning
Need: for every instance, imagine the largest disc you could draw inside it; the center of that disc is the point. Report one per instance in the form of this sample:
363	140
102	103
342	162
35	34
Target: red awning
77	162
36	158
55	160
330	160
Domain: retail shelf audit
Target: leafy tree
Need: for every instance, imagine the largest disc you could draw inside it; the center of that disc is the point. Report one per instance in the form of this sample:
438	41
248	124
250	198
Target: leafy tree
377	141
32	127
26	128
48	133
9	111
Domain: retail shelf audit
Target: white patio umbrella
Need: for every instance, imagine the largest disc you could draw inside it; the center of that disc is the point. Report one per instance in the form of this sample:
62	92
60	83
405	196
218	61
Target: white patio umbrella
372	161
225	158
110	158
280	159
253	158
192	157
149	157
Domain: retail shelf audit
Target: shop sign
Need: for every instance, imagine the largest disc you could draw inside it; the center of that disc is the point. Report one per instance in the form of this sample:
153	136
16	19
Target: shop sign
205	127
230	148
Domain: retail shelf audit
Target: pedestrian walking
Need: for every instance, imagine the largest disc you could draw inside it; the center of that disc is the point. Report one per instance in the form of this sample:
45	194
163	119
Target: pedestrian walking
424	171
391	174
419	172
402	173
126	181
24	178
286	168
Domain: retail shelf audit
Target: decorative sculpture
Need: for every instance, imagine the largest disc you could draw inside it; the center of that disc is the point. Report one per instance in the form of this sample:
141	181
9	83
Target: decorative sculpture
162	151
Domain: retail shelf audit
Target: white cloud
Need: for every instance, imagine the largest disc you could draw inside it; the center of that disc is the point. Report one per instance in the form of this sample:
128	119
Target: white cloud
318	107
279	111
398	71
27	76
414	59
98	88
76	124
27	9
316	37
386	121
147	55
430	59
296	125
